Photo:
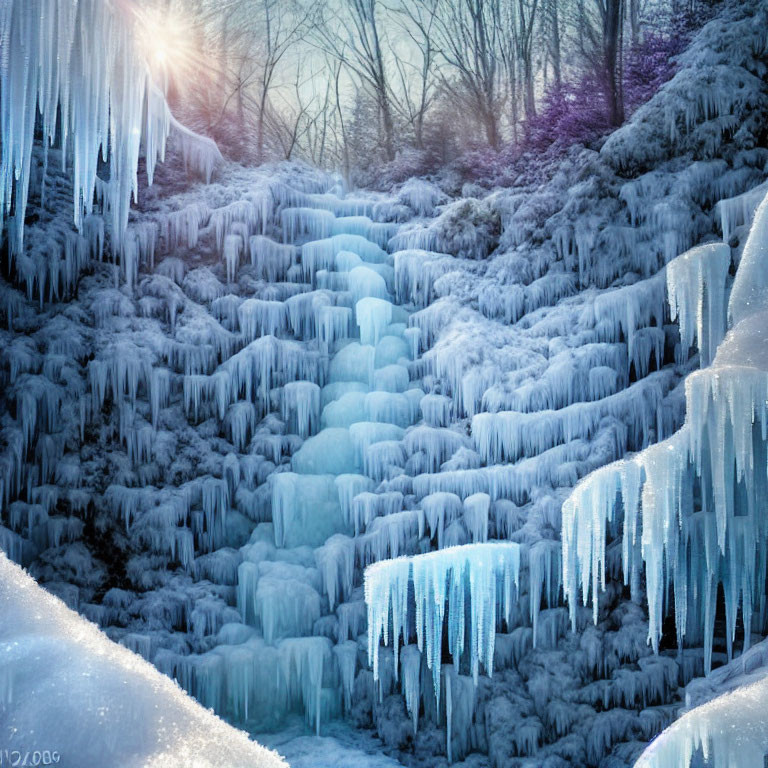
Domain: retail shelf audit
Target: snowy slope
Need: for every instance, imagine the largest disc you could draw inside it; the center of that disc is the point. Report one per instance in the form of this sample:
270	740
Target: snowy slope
66	688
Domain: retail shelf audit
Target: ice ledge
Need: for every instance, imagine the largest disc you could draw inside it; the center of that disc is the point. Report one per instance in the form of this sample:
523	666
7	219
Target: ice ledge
491	574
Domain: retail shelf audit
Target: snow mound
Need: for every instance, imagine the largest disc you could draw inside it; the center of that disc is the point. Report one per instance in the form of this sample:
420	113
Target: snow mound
730	732
327	752
65	687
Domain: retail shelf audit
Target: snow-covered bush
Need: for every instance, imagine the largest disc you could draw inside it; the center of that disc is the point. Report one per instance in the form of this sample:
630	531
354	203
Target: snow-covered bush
717	102
467	229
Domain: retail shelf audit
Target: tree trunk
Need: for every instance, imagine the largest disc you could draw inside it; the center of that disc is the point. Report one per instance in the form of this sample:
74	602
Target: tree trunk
525	43
491	125
612	60
381	84
530	99
260	127
555	43
419	130
240	104
340	110
387	125
223	54
634	21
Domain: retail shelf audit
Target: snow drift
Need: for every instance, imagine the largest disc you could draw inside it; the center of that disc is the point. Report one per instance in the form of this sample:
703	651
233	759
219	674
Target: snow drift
66	688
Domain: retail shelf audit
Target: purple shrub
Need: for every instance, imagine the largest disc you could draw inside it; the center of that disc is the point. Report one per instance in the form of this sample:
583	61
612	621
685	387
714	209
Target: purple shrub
572	113
648	65
576	112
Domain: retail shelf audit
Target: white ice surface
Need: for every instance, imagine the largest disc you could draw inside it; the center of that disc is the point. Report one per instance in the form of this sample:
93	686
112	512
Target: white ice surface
344	747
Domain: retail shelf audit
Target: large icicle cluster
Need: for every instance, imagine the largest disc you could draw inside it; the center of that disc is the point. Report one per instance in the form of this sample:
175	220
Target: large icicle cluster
726	446
729	732
692	510
487	574
691	504
51	54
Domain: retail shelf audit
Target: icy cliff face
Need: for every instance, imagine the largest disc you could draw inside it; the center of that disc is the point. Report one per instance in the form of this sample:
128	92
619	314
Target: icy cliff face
695	507
277	384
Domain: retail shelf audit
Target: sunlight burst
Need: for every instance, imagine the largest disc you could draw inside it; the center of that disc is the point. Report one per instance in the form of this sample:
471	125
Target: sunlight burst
164	37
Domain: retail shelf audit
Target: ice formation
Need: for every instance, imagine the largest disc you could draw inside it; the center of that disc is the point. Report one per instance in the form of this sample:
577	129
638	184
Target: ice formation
720	447
690	508
729	732
115	115
488	573
282	387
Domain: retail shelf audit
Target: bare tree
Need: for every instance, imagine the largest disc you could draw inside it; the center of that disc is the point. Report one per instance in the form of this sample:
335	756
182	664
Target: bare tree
600	27
283	24
526	17
335	66
355	37
611	14
468	37
252	39
634	21
509	56
554	40
417	78
291	118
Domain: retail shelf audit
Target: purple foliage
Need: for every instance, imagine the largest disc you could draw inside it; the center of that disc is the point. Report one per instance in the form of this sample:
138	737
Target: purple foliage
576	111
648	65
572	113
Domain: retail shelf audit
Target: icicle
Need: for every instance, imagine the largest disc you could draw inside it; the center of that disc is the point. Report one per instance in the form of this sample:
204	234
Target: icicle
262	318
410	657
336	563
490	574
737	211
112	115
696	289
301	407
346	657
373	316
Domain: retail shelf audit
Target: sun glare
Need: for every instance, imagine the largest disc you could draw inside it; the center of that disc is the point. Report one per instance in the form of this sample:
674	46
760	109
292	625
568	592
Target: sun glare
164	37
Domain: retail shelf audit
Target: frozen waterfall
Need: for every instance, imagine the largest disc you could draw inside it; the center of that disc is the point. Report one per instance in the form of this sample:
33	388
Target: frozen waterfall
690	513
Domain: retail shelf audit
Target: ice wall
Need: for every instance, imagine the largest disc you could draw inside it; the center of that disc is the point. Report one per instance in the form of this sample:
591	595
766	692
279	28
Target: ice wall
717	457
267	399
690	514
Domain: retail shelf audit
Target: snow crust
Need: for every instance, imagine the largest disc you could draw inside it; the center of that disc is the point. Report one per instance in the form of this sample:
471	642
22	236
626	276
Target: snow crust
67	688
